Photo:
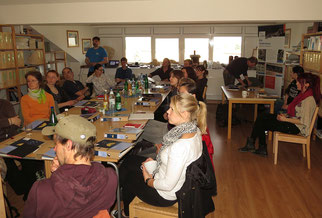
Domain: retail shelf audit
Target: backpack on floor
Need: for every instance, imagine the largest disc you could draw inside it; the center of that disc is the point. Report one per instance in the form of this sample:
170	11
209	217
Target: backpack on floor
222	115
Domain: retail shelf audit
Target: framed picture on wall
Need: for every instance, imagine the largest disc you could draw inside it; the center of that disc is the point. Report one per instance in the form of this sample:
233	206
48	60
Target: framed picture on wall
287	41
86	44
72	38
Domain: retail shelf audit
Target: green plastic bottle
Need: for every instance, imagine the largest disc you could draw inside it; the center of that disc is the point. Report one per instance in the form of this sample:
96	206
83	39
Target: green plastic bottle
118	101
146	82
125	86
53	119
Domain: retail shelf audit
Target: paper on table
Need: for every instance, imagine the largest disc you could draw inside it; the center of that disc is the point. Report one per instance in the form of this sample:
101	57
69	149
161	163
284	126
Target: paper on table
7	149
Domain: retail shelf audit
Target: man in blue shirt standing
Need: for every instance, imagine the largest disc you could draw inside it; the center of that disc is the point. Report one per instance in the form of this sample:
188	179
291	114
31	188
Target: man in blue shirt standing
95	55
123	73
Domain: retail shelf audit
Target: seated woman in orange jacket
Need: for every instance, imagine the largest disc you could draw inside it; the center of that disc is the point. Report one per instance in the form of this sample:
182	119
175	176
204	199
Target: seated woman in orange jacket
36	103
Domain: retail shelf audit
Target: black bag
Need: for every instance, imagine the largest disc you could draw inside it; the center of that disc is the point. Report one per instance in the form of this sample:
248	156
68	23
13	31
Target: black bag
141	146
222	112
222	115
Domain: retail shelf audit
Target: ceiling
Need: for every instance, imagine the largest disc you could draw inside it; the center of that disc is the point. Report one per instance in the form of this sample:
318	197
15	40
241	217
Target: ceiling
30	2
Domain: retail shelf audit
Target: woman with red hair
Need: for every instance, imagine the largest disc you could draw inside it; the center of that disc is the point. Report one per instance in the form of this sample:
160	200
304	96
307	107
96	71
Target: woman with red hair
297	120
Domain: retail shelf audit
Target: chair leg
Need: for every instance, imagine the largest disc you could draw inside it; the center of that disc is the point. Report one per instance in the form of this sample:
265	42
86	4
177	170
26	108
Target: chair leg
275	148
308	154
303	148
314	134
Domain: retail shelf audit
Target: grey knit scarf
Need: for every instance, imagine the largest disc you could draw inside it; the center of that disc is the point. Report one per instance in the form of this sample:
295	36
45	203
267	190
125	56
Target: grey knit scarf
172	136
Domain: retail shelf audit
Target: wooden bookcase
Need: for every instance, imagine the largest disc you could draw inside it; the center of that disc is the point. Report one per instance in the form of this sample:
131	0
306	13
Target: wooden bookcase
19	54
54	58
311	56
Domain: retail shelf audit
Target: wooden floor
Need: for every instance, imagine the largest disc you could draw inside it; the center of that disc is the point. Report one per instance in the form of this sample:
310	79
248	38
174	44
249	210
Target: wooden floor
252	186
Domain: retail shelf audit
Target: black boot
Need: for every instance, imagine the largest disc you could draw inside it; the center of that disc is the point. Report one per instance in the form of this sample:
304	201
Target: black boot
249	146
262	150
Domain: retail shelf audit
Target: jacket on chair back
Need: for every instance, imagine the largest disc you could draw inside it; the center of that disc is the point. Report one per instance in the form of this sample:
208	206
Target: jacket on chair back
195	196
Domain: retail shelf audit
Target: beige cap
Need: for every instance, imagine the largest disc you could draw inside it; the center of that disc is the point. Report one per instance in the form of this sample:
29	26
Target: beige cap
73	127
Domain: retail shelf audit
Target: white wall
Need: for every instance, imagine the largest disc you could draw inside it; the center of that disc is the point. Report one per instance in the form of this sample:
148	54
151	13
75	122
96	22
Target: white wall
297	30
57	34
162	11
114	36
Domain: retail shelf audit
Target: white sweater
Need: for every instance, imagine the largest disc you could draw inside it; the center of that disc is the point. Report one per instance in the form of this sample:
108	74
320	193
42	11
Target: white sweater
175	160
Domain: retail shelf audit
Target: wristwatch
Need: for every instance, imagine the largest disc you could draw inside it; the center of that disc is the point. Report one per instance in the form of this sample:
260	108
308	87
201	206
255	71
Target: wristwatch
147	180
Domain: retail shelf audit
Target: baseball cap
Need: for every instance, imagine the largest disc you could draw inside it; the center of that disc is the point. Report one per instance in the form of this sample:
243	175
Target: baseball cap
72	127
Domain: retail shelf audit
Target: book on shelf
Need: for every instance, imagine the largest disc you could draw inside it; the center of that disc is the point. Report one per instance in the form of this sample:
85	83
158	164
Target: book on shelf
110	148
141	115
116	117
123	133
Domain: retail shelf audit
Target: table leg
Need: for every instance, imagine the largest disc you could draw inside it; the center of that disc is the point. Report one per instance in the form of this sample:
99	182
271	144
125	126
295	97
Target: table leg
271	110
230	110
223	98
255	112
48	168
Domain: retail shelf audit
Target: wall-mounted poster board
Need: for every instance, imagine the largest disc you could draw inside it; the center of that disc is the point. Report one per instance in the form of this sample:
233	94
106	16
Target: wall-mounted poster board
270	69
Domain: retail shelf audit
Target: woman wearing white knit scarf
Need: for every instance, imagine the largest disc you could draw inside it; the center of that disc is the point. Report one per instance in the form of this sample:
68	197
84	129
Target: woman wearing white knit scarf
180	147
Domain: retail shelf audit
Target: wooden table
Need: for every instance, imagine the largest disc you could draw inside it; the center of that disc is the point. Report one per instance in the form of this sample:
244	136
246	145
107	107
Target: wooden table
235	97
101	127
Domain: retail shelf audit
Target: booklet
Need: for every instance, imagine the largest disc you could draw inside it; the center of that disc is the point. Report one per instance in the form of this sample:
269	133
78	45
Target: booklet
49	155
23	147
122	133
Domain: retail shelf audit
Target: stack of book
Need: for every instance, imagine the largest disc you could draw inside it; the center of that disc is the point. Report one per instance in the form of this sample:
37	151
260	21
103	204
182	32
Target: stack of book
113	149
123	133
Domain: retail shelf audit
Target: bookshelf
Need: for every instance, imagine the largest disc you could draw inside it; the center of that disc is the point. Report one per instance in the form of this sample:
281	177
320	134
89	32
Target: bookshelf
311	52
19	54
311	56
54	58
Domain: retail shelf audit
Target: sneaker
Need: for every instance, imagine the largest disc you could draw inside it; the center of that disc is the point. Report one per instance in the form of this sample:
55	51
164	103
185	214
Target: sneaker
115	214
40	175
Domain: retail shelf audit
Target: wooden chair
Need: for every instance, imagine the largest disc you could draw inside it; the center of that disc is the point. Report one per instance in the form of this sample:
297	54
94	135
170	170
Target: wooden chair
139	209
278	136
102	214
2	204
204	93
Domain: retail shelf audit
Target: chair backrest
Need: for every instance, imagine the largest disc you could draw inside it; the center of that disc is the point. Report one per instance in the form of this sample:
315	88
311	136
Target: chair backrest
204	93
313	119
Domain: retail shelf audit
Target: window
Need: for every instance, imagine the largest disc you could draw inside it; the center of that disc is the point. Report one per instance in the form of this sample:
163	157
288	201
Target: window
167	48
138	49
225	47
200	45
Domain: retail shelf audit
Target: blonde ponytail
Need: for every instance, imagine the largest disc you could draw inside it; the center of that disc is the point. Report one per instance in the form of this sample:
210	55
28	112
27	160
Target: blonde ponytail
202	117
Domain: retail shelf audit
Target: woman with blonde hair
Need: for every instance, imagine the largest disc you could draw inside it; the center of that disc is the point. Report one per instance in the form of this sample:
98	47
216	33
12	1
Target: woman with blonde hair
181	146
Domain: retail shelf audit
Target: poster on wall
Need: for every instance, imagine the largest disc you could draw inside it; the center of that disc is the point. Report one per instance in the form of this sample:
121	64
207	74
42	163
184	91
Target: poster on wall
271	31
270	82
271	50
262	55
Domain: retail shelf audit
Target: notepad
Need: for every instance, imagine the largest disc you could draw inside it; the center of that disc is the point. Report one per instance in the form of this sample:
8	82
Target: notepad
22	147
49	155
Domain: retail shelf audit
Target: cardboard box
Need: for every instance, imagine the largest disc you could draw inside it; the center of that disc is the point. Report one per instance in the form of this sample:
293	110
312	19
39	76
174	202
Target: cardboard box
36	58
32	43
21	61
7	40
1	40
